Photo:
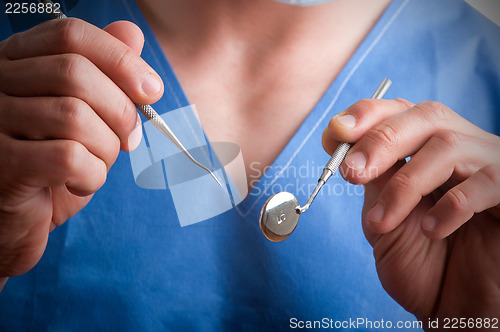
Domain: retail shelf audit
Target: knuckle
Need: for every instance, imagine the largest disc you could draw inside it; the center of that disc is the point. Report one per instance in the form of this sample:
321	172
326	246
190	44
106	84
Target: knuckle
492	172
364	106
122	58
70	112
449	138
434	112
71	34
11	44
69	155
401	182
70	66
405	102
385	135
457	199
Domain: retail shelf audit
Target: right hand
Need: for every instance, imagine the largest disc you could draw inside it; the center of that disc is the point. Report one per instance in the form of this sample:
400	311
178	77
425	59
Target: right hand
67	93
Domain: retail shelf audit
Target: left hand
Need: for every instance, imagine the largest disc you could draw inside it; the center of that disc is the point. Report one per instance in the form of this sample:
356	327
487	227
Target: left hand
434	221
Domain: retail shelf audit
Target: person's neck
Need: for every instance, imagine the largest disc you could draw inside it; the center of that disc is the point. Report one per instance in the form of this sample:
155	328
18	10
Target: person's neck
256	24
252	67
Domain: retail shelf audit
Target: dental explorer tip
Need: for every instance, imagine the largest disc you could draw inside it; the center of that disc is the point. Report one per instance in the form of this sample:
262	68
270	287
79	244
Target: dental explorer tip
215	178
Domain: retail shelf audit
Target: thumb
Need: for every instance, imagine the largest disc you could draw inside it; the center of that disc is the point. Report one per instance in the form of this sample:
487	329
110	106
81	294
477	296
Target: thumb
128	33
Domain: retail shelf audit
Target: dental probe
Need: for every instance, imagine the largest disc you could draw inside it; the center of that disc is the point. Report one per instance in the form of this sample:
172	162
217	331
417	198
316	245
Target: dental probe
162	126
338	156
149	112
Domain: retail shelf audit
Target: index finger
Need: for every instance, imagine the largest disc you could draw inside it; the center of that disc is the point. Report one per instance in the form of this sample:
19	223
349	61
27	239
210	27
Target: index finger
401	136
351	124
118	61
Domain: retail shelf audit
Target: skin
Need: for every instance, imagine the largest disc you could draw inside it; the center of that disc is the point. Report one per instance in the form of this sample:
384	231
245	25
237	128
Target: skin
61	134
45	183
435	240
239	62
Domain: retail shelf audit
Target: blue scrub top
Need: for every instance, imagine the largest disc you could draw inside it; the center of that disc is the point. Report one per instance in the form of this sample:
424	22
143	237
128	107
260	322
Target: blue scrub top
125	264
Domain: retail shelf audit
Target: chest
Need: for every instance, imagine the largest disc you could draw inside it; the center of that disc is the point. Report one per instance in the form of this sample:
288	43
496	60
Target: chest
254	78
258	108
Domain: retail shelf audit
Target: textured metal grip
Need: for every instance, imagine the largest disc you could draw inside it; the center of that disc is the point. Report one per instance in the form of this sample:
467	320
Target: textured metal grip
148	112
338	156
162	126
59	15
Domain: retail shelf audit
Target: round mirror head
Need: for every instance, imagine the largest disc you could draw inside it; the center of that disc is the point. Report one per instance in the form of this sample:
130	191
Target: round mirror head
278	217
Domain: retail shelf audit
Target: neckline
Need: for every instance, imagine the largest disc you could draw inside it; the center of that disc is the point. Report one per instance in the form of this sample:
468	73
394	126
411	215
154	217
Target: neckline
321	110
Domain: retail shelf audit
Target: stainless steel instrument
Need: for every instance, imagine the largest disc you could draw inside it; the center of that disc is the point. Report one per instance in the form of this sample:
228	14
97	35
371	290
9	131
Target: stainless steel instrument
280	214
150	113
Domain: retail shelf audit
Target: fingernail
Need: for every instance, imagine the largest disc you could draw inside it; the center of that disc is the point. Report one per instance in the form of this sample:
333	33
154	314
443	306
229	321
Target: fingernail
356	161
429	223
347	120
151	85
135	137
376	213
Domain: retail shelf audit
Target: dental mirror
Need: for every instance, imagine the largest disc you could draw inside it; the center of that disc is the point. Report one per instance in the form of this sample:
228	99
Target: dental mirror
280	214
278	217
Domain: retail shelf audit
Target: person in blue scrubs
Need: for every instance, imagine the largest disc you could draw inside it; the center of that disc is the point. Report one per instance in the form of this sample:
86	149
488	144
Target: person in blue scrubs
419	243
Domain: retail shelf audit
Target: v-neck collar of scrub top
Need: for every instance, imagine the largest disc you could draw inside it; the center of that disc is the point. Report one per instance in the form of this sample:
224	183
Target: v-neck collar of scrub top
317	119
